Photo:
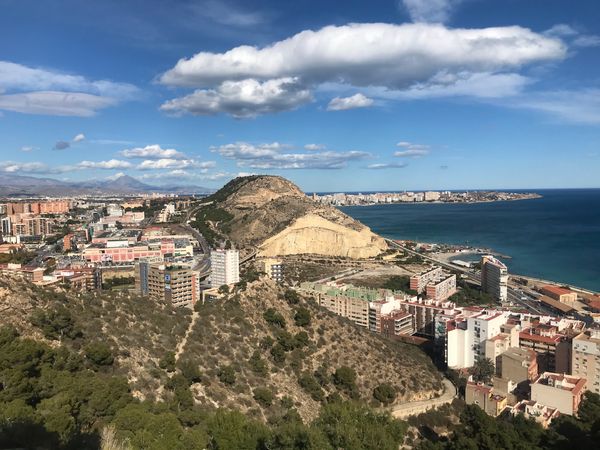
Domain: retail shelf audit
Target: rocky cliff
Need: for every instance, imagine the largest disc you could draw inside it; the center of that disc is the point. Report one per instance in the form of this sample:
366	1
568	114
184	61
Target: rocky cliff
275	216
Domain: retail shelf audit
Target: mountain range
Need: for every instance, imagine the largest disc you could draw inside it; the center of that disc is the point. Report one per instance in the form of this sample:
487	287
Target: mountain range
19	186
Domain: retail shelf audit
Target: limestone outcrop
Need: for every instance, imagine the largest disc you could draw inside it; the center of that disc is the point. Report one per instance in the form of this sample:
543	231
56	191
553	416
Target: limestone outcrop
274	216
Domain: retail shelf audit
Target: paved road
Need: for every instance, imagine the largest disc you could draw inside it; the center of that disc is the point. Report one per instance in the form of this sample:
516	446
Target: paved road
417	407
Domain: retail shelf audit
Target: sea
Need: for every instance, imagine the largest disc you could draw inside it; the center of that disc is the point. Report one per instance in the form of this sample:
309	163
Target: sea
555	237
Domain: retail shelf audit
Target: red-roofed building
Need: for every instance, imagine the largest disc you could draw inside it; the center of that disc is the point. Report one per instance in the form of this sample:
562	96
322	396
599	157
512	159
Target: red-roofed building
559	391
559	294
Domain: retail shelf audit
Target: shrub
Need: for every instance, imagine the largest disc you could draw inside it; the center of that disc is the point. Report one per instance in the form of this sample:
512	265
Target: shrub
311	386
227	375
291	297
190	371
99	353
385	393
302	317
257	364
55	324
274	318
167	362
263	396
278	353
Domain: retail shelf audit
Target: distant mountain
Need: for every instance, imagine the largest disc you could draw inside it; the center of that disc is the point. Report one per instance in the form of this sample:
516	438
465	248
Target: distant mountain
20	186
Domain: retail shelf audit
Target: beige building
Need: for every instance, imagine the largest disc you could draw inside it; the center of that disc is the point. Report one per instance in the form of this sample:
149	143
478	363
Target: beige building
485	397
560	294
272	267
559	391
586	358
176	284
494	278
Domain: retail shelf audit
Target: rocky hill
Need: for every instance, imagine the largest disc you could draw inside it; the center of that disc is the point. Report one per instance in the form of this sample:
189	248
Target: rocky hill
273	215
259	339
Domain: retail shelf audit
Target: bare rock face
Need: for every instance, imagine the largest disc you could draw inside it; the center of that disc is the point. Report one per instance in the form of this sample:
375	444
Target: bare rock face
275	216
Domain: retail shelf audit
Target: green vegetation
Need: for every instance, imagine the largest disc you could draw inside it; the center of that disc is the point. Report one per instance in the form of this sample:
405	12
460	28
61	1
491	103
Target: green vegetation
399	283
263	396
99	354
226	375
167	362
274	318
302	317
17	257
56	323
470	296
118	282
212	223
385	393
345	379
478	430
483	370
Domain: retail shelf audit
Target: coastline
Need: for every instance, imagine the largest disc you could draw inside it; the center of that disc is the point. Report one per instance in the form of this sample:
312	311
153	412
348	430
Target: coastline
438	202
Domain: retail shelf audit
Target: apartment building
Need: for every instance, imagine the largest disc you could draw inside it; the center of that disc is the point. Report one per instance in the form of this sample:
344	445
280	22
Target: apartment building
542	414
552	347
272	267
116	252
559	391
585	360
176	284
224	267
494	277
419	281
397	323
442	288
485	397
41	207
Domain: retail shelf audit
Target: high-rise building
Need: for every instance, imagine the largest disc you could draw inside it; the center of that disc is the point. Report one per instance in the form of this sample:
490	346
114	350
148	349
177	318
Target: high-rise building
172	283
494	277
586	358
224	267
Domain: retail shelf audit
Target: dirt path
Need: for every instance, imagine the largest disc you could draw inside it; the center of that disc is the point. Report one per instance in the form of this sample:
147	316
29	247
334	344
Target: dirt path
183	342
420	406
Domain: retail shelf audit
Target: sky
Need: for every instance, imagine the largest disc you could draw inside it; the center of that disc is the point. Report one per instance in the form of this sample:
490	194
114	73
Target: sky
336	96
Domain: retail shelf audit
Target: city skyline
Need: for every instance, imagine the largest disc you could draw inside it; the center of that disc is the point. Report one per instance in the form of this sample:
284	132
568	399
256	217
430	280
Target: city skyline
392	96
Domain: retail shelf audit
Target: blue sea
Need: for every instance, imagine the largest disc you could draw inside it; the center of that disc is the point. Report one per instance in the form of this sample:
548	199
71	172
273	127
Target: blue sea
556	237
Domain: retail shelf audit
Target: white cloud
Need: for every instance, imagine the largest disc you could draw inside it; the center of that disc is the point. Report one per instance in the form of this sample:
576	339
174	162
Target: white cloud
55	103
152	152
116	176
314	147
575	106
20	167
411	150
371	54
279	156
241	99
226	14
387	166
18	77
41	91
355	101
27	148
170	163
587	40
80	137
105	165
430	10
561	30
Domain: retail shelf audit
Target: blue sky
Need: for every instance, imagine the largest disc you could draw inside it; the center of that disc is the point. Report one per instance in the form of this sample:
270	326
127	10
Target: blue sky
354	95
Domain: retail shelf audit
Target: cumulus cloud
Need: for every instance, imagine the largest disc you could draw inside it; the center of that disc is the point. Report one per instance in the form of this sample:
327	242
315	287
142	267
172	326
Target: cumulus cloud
279	156
411	150
355	101
80	137
152	152
41	91
430	10
575	36
371	54
242	99
62	145
387	166
105	165
170	163
20	167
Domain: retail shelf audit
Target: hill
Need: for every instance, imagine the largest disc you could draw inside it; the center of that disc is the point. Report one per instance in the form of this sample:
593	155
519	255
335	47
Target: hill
274	216
262	351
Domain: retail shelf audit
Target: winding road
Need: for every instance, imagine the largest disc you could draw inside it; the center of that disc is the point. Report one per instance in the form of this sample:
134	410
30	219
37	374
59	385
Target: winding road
420	406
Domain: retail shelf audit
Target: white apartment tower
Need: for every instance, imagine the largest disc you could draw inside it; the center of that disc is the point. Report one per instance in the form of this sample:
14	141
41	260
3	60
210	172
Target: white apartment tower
225	267
494	277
